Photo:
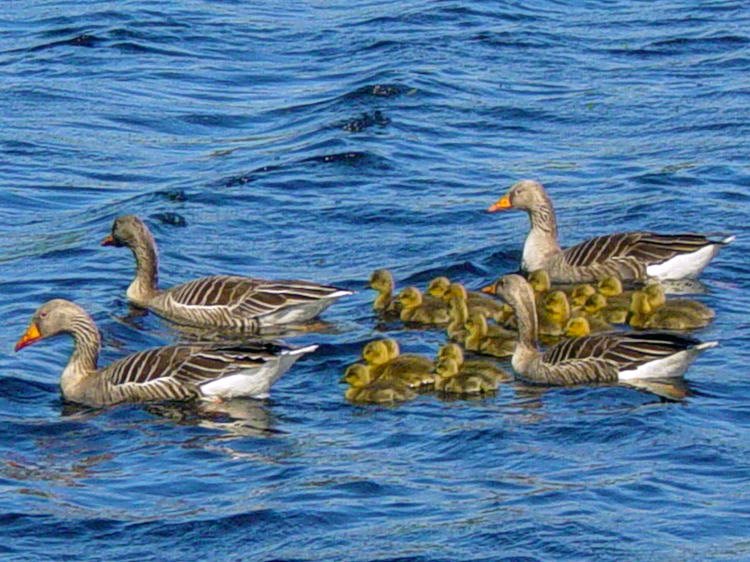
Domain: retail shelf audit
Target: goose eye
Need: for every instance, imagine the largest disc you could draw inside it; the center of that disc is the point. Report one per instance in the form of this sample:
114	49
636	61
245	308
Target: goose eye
42	314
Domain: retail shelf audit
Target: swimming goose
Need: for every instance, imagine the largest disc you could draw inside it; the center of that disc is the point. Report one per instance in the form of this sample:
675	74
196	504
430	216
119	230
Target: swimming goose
554	313
416	308
386	362
596	312
628	255
381	281
363	388
449	379
656	298
219	301
175	372
612	357
580	293
479	367
617	303
488	339
479	302
644	316
459	314
577	327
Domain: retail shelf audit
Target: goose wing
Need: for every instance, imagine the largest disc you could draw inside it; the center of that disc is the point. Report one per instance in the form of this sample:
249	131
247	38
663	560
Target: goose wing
176	372
600	358
638	247
247	296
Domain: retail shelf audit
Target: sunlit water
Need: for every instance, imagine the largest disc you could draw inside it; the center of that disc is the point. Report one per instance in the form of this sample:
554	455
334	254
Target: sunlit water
322	142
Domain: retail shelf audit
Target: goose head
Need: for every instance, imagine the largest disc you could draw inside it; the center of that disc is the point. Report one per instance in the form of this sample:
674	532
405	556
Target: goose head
446	367
381	280
525	195
357	375
595	303
451	351
376	353
577	327
127	230
610	286
655	294
54	317
539	281
411	297
438	287
580	293
555	305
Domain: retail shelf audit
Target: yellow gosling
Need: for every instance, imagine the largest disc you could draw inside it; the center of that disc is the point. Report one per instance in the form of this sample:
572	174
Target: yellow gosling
414	308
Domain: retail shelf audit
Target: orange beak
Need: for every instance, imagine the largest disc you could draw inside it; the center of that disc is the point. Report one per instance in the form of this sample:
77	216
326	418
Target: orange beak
32	335
490	289
502	204
108	241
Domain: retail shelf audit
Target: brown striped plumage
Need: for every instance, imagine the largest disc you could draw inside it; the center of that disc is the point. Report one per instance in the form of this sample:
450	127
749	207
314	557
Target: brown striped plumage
599	358
219	301
174	372
629	255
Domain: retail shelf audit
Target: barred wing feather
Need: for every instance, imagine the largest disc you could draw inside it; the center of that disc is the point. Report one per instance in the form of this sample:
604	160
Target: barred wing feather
644	247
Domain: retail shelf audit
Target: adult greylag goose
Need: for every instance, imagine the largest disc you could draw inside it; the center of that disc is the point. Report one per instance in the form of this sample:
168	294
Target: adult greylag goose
175	372
612	357
219	301
363	387
628	255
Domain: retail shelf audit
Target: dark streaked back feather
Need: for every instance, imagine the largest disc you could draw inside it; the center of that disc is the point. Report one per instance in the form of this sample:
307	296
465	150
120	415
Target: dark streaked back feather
647	247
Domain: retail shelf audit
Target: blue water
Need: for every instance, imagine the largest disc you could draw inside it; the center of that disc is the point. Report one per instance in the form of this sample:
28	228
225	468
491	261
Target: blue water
324	140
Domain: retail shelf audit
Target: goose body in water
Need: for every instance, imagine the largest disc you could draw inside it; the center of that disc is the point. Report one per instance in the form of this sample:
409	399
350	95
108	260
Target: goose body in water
219	301
627	255
612	357
175	372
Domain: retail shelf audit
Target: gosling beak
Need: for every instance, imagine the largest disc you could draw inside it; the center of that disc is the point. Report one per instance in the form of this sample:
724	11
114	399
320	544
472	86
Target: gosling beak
108	241
489	289
32	335
502	204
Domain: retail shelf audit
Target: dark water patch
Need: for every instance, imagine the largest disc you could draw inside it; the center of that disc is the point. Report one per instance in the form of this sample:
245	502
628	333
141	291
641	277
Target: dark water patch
172	219
364	121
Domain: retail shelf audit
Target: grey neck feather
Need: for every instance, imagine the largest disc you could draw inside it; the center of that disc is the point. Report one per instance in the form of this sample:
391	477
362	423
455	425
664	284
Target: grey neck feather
87	342
525	310
144	286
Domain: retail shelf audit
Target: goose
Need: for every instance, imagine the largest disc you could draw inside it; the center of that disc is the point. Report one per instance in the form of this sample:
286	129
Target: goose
580	293
616	302
656	298
441	287
213	371
479	367
449	379
643	316
381	280
629	255
554	313
387	363
613	357
577	327
219	301
459	314
596	312
539	281
415	308
363	388
488	339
